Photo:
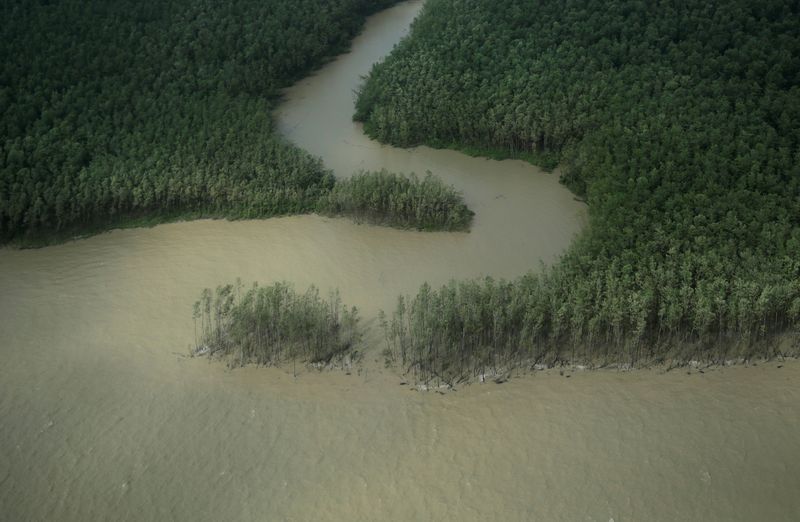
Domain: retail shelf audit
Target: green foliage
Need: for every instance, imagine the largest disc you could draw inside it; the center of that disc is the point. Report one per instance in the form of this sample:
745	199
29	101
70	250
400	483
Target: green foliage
467	328
680	124
273	324
396	200
125	109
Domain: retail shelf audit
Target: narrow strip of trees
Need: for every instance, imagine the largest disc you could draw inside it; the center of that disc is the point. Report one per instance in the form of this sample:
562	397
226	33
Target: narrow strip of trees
468	328
396	200
273	324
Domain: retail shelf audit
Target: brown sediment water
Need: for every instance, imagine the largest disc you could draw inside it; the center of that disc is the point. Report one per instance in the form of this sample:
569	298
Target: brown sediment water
103	417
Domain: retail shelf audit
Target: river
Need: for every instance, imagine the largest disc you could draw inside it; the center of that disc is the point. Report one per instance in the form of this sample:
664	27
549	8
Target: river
103	417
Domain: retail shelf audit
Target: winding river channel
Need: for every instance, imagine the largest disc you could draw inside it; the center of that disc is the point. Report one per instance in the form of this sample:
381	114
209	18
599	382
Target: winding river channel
103	417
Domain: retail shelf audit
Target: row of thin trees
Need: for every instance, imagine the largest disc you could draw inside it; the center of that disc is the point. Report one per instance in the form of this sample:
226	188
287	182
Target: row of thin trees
396	200
273	324
474	327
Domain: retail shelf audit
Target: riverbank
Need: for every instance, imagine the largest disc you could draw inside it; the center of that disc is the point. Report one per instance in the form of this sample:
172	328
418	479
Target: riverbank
369	358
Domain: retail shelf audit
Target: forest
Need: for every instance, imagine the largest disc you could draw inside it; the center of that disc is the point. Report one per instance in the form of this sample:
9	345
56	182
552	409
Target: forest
678	122
117	111
273	324
386	198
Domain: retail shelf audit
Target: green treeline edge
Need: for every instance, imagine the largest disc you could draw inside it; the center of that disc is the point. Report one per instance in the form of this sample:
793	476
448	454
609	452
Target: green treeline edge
680	125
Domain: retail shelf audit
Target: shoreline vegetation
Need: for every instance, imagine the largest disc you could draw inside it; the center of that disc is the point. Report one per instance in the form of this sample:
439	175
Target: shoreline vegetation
120	113
277	326
399	201
678	124
381	198
545	160
428	340
271	325
468	330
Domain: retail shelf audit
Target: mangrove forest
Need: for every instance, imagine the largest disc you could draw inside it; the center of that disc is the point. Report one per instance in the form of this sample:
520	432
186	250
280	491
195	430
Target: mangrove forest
679	123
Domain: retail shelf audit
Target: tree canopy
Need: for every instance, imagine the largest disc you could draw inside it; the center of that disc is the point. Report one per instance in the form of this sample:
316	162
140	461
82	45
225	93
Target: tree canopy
117	110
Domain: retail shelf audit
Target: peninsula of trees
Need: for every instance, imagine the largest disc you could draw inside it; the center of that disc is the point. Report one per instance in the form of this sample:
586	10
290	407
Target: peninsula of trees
678	122
395	200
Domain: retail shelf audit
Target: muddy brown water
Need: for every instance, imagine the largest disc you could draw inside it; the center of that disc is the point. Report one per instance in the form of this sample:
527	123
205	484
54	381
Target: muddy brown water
102	417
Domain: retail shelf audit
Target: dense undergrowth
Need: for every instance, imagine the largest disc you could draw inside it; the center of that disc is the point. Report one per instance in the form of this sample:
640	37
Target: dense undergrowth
115	111
395	200
273	324
680	124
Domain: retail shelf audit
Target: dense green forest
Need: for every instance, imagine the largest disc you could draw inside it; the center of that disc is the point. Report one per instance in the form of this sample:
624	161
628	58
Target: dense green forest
679	122
392	199
273	324
118	110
